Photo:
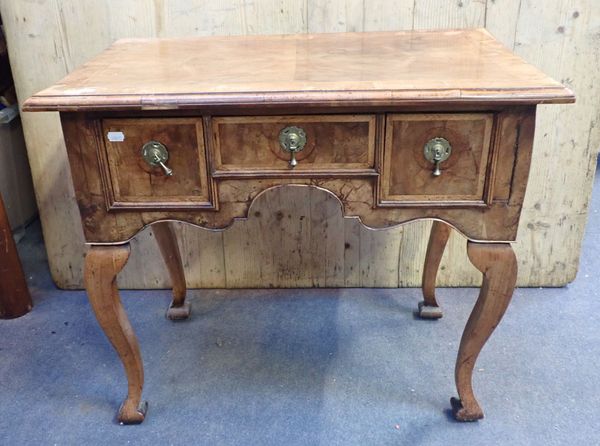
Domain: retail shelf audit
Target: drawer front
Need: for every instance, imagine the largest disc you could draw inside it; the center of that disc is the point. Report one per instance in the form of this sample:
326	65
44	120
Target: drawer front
408	175
334	145
134	182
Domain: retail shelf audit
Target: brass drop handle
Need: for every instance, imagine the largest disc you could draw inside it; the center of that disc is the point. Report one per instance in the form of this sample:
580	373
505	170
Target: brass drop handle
292	140
156	154
436	151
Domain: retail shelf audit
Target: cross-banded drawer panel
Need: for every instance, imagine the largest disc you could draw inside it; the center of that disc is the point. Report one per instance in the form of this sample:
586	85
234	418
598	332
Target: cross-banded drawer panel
435	158
156	162
291	145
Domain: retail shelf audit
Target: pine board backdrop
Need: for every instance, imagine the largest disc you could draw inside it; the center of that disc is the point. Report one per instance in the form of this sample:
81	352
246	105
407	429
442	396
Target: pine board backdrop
49	38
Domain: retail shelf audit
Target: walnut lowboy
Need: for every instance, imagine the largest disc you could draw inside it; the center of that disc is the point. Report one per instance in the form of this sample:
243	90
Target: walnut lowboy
398	126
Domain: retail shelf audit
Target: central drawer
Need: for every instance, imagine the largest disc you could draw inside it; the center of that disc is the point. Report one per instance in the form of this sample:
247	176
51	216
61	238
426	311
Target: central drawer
333	145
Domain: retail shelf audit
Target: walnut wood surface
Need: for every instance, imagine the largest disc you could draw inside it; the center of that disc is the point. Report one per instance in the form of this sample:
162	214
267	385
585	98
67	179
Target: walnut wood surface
407	175
498	264
134	183
358	69
102	264
169	249
495	221
15	299
335	145
440	233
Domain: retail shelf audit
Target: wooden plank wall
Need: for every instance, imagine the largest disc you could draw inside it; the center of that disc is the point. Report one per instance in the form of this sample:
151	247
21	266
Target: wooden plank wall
49	38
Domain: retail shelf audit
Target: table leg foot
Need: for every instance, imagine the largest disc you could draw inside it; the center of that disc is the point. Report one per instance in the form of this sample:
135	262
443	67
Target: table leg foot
179	313
132	413
429	311
461	413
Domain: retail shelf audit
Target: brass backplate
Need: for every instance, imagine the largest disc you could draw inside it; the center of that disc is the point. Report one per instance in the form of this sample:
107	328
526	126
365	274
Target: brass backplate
292	139
437	150
155	153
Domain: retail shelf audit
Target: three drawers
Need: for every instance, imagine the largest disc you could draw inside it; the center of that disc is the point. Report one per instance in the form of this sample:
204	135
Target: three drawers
423	158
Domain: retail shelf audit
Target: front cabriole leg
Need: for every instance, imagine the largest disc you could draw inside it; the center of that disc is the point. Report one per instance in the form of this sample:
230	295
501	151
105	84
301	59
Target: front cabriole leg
498	264
102	264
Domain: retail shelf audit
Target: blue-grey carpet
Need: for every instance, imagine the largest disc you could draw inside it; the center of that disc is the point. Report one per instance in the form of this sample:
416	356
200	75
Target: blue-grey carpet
304	367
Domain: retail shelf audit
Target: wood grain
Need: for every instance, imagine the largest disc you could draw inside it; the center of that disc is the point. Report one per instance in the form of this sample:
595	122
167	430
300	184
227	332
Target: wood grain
335	145
133	183
169	249
15	176
301	69
555	209
102	264
63	37
497	221
407	174
499	267
15	299
440	233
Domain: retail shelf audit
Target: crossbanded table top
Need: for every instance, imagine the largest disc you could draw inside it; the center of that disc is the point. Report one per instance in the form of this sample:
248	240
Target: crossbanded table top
371	68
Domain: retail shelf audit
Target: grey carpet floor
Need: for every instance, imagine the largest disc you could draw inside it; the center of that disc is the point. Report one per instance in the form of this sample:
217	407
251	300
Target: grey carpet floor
304	367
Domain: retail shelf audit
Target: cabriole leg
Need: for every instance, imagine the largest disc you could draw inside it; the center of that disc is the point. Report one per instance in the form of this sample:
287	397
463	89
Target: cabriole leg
167	242
498	264
102	264
440	232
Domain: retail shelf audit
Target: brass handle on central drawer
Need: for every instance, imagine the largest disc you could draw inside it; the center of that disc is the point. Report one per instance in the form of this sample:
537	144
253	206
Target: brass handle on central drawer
436	151
156	154
292	139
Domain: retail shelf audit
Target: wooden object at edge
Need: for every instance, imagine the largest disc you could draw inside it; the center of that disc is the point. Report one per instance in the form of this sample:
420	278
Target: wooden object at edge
15	300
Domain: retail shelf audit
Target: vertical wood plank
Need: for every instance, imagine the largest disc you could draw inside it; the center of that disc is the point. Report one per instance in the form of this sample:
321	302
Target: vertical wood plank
383	15
203	256
73	16
15	176
335	16
143	271
411	253
243	264
275	17
352	230
444	14
326	243
502	18
40	57
132	18
563	41
383	245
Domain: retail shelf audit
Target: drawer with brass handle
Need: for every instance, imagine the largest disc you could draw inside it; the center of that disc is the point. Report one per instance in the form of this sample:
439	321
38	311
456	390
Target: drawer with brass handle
263	146
435	158
155	162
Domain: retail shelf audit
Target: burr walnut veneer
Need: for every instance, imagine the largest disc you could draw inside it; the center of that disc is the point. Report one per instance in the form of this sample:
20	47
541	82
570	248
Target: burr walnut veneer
398	126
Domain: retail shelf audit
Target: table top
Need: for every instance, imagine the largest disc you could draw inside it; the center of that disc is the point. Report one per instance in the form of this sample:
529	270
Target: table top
359	69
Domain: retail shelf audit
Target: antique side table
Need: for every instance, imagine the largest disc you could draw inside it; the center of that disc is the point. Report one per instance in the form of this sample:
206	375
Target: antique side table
398	125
